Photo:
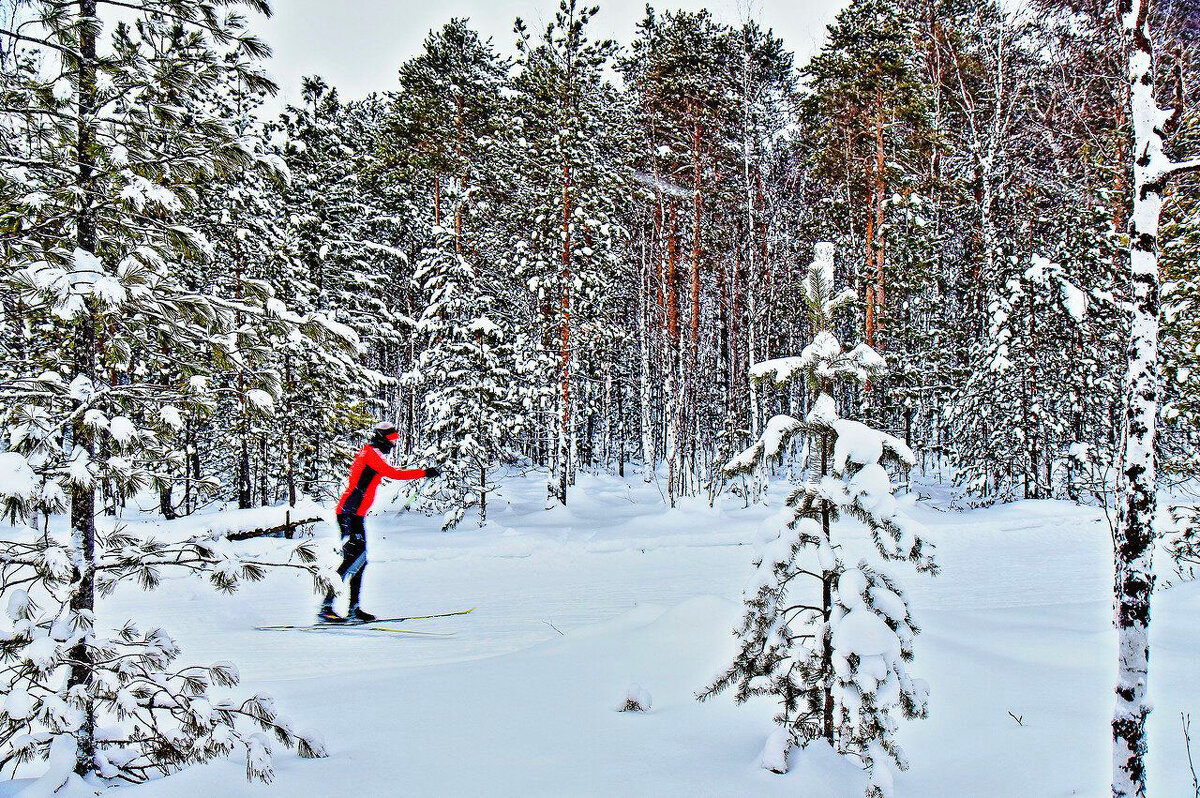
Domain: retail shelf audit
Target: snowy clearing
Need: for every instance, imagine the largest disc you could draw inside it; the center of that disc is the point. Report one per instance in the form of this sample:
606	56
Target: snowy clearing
577	604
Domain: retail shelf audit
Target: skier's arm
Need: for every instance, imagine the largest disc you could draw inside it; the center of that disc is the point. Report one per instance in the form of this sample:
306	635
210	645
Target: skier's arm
376	461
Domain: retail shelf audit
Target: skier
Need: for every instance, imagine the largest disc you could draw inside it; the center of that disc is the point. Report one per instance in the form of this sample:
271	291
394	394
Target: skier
368	470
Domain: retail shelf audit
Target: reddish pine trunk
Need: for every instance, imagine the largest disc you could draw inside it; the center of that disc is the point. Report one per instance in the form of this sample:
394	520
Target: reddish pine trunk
879	248
565	336
697	206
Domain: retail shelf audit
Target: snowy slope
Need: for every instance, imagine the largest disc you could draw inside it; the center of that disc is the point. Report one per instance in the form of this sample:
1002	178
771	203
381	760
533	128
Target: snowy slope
578	603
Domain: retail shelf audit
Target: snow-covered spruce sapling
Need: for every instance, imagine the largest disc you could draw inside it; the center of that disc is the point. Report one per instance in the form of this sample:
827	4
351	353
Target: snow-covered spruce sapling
466	375
142	713
828	639
636	699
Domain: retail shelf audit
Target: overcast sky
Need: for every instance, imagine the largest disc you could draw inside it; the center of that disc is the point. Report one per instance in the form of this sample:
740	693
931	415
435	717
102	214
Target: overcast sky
358	45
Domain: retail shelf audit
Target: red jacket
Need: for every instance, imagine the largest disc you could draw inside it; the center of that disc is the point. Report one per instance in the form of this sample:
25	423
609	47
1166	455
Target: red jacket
366	473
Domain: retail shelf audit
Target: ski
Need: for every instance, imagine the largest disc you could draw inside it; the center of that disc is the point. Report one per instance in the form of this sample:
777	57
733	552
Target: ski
352	627
416	617
350	624
410	632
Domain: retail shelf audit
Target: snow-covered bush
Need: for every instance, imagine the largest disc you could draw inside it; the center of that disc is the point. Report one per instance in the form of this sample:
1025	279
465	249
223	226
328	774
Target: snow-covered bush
831	641
123	693
636	699
1183	543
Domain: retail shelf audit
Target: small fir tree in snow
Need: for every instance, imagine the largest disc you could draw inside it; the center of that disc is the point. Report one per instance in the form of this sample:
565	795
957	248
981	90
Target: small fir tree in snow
830	640
636	699
466	376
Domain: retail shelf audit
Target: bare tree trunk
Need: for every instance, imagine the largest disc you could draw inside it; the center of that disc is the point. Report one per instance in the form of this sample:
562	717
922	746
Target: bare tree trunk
482	494
875	250
697	207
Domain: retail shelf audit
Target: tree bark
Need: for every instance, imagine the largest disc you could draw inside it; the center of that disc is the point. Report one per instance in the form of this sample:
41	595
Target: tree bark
565	339
83	497
1134	534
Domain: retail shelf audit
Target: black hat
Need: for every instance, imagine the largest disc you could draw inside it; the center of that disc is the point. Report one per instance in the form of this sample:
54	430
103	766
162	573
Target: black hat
384	436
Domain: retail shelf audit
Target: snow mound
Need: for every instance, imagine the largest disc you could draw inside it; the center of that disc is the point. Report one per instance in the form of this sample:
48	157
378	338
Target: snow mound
636	699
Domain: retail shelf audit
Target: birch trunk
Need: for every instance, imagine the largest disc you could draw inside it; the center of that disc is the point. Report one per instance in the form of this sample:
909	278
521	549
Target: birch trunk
1134	533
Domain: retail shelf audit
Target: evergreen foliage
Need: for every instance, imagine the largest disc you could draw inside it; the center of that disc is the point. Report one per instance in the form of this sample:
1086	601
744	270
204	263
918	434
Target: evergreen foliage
830	641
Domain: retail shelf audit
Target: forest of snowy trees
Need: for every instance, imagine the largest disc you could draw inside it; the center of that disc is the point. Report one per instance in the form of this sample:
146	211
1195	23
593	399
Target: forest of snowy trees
572	259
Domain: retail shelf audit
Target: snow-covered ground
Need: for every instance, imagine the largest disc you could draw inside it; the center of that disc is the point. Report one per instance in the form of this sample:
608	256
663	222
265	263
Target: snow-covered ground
574	605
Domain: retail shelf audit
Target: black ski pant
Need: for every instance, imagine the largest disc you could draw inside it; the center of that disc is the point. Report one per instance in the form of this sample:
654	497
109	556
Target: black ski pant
354	555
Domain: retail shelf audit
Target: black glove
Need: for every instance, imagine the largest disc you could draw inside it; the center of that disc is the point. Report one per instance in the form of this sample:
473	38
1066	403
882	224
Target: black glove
431	472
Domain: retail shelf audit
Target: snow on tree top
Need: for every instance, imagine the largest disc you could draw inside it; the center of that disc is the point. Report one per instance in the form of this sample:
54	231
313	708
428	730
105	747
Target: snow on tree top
864	445
769	446
17	479
825	359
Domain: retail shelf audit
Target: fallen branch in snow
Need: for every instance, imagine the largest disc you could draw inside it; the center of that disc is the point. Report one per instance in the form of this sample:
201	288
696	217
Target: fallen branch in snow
287	529
555	628
1018	718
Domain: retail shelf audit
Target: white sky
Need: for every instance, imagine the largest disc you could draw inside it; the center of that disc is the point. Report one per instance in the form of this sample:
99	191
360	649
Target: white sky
358	45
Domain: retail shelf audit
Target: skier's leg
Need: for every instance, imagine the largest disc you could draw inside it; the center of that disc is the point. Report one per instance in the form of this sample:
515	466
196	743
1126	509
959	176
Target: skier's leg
356	588
353	543
357	545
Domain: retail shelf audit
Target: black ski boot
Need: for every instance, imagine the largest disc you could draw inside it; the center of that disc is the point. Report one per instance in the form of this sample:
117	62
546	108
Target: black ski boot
327	615
358	615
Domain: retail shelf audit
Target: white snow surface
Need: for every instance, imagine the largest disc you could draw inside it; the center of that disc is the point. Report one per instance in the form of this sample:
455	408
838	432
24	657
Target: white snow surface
575	604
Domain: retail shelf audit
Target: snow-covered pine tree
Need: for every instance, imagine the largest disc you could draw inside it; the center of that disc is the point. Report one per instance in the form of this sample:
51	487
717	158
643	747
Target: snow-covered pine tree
870	102
439	143
238	215
466	375
567	199
291	388
830	640
439	158
343	260
123	696
118	141
1039	398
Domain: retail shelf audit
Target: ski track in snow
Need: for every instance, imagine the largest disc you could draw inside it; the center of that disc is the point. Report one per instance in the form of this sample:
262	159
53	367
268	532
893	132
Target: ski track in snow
575	605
